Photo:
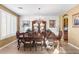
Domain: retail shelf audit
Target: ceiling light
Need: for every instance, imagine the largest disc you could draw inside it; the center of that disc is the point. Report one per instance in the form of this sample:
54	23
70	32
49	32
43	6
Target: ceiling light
20	7
39	8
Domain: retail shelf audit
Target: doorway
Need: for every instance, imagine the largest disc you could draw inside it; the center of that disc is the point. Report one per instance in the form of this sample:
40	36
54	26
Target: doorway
65	26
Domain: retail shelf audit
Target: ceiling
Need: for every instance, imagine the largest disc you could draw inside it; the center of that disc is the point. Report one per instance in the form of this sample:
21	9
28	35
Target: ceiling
45	9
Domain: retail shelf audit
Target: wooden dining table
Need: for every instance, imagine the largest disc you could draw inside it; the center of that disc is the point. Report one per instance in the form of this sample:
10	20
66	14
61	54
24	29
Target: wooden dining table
34	38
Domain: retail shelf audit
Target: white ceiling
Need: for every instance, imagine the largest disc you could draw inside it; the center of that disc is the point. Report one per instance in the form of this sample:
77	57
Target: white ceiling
45	9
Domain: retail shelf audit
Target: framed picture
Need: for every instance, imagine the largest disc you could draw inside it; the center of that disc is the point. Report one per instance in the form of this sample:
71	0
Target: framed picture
75	18
26	23
52	23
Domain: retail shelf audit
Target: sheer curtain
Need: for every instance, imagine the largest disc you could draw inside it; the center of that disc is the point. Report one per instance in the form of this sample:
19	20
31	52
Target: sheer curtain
8	24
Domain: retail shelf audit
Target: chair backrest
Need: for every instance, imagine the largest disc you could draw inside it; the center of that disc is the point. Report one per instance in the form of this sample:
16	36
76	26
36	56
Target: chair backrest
21	36
52	37
25	35
43	33
38	37
47	34
60	35
17	34
34	33
30	34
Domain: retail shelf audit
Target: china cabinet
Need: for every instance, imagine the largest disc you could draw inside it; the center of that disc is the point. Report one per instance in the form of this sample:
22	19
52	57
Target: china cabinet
39	26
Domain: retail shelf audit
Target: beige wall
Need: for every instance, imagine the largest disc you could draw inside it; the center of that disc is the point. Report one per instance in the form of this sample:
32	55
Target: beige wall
61	23
73	32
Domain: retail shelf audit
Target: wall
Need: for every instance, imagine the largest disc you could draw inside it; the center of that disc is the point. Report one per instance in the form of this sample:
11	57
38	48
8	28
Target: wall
73	32
46	18
61	27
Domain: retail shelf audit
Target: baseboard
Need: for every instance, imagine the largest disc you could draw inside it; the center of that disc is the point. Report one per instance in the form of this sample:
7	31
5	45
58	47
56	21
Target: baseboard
74	46
7	44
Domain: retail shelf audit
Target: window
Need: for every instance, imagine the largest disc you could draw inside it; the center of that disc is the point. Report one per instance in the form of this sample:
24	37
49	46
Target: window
3	24
8	24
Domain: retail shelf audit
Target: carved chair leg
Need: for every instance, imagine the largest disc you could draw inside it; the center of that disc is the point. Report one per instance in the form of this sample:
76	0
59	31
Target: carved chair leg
30	46
36	46
18	45
41	46
24	46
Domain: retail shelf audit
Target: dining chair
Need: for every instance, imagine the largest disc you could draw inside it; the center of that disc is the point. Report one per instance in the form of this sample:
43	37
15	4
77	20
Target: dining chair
39	40
27	40
50	40
59	35
20	37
